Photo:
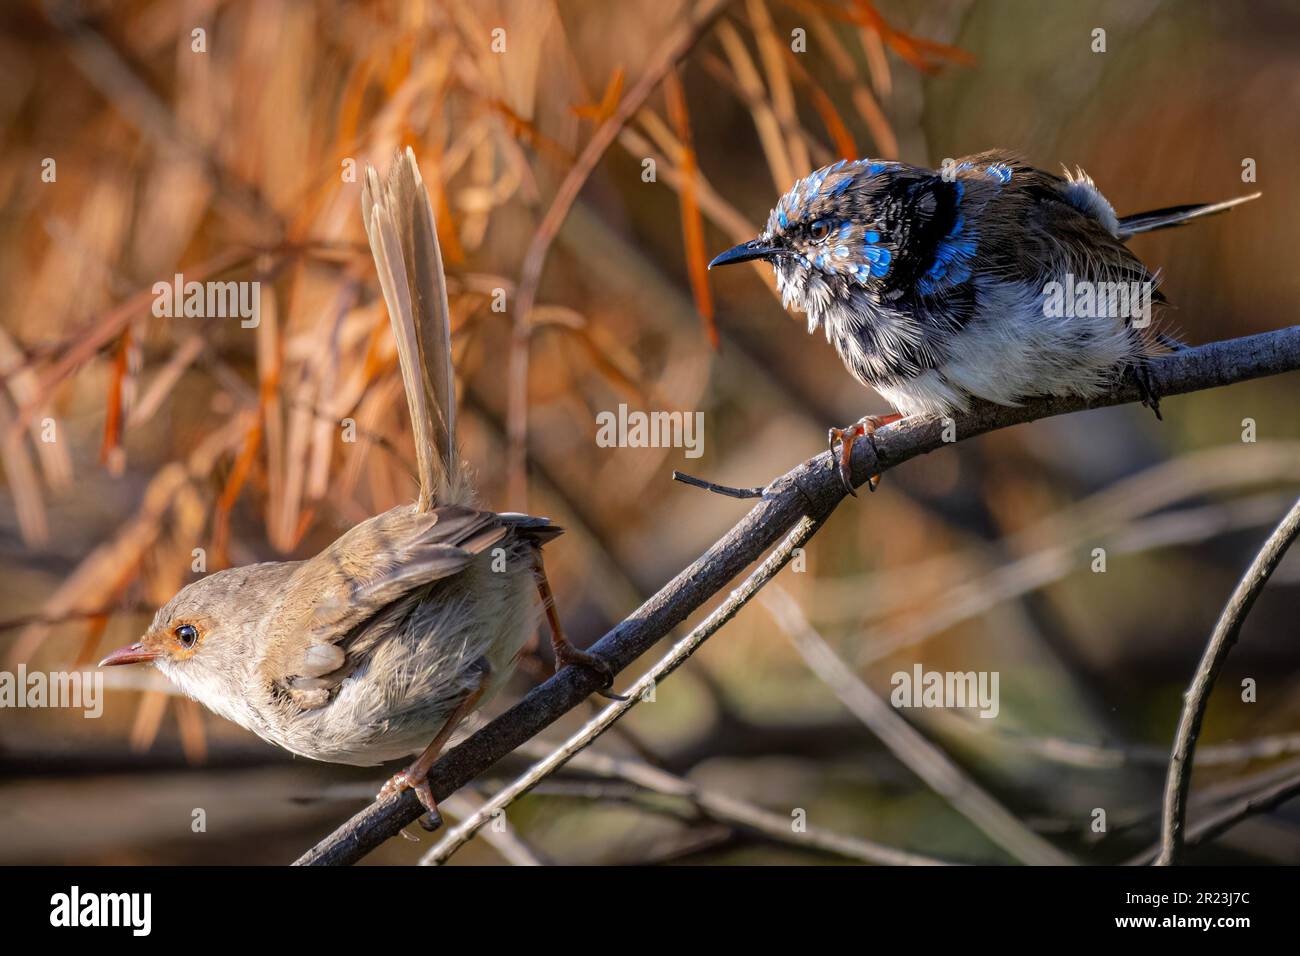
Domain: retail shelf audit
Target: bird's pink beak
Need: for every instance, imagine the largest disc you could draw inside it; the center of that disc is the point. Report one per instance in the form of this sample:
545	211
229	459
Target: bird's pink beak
131	654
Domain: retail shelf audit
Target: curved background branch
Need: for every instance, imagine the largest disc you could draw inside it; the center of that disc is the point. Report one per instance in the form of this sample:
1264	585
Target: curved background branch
810	490
1179	780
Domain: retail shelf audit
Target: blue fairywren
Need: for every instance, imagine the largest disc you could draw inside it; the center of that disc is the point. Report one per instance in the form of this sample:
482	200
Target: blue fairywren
989	280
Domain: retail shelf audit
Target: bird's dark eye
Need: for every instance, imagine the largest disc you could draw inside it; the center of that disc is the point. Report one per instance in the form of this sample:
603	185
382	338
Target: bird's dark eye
187	634
820	230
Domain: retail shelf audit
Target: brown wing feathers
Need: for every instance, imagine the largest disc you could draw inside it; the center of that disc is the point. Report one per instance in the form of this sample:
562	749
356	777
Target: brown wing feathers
371	569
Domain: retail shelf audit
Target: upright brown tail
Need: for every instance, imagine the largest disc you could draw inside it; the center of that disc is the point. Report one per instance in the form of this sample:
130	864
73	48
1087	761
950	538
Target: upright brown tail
404	241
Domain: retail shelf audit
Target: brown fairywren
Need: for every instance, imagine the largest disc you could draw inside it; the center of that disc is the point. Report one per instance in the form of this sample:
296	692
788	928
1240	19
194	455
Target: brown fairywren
379	646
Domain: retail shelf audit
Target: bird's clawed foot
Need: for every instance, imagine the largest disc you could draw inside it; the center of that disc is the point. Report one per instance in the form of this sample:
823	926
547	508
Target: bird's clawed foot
865	427
413	778
416	776
1150	397
567	655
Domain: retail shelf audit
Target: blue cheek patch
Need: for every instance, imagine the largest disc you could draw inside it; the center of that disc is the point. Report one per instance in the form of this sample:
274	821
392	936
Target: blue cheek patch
876	258
879	258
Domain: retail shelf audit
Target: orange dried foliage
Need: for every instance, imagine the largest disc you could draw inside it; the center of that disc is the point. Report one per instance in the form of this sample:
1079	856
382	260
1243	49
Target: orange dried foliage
697	256
922	54
113	414
597	113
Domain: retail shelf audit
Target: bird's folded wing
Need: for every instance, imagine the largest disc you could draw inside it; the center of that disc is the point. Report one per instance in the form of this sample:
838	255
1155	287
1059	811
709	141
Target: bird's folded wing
364	577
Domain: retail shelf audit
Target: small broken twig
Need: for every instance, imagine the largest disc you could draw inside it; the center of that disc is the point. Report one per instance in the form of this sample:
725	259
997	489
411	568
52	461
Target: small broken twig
716	488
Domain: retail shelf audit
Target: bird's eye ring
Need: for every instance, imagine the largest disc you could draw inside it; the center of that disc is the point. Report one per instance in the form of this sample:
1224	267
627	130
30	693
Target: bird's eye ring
819	230
188	635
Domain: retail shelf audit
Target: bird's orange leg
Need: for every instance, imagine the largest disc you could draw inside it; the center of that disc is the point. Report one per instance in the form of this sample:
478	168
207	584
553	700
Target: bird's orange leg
865	427
416	776
565	653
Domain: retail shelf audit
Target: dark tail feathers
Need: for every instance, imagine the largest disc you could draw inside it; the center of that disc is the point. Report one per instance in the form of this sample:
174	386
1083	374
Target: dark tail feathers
1176	215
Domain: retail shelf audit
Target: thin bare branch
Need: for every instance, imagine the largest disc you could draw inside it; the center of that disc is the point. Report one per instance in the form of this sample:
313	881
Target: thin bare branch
725	490
504	840
908	744
680	42
1197	699
711	805
1224	818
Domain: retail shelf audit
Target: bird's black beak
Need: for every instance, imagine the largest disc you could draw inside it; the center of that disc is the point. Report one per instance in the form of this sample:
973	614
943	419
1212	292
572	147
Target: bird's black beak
754	249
